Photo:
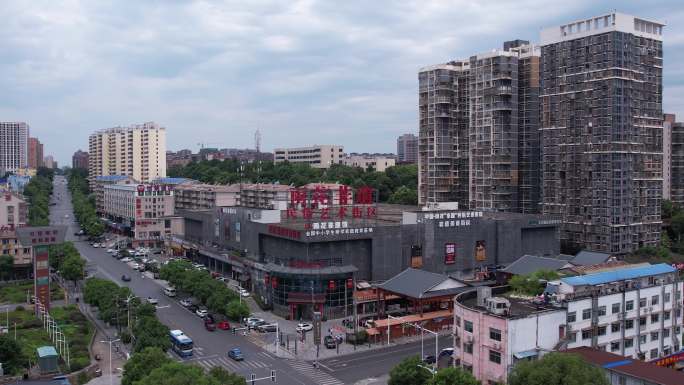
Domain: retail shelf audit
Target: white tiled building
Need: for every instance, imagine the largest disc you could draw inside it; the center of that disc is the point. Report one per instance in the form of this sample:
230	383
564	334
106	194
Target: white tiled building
317	156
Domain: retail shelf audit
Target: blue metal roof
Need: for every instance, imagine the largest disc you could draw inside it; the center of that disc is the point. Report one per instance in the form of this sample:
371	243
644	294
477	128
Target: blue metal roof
47	351
170	180
618	275
111	178
616	364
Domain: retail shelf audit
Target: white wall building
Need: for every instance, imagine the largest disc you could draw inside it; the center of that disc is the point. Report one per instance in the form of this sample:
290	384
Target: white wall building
318	156
378	162
13	146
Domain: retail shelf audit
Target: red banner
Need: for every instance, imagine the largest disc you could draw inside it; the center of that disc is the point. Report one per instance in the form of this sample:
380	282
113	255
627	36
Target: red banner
449	253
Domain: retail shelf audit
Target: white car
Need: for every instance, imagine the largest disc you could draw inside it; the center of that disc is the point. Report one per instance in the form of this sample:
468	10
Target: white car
185	302
244	293
202	312
126	260
111	251
152	301
96	245
304	327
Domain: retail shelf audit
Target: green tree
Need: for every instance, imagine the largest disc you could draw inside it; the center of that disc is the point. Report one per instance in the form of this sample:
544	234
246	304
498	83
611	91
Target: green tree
149	332
142	363
532	284
678	225
404	196
6	266
176	373
407	372
557	369
453	376
72	268
668	209
225	377
10	354
237	310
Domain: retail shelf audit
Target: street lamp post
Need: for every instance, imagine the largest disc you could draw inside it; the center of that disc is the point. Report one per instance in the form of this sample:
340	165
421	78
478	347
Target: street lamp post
110	342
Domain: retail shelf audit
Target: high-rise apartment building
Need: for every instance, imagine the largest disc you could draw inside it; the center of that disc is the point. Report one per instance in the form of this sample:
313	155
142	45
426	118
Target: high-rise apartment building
407	149
13	146
676	183
80	160
601	122
35	153
138	151
443	133
317	156
668	121
50	162
479	140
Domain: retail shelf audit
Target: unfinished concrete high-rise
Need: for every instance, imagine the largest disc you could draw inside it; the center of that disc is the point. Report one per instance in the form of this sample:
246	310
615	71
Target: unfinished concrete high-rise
601	122
443	133
677	163
488	105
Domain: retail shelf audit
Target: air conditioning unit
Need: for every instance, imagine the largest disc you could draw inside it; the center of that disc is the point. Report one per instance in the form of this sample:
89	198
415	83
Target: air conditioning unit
496	346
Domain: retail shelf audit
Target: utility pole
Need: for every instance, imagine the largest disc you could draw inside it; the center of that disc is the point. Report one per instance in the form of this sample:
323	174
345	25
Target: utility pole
111	375
356	314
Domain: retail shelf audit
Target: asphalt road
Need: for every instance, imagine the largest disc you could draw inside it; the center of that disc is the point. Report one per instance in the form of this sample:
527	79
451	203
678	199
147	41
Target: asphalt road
211	347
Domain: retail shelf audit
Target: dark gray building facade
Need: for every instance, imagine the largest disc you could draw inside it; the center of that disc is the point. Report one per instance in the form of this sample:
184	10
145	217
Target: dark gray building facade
677	164
601	124
293	266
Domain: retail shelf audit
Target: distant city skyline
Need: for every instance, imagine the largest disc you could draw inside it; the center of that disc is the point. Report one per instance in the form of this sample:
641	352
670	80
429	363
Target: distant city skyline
304	73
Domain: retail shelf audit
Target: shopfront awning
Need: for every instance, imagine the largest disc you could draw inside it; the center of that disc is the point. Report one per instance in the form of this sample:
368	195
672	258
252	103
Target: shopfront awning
526	354
329	270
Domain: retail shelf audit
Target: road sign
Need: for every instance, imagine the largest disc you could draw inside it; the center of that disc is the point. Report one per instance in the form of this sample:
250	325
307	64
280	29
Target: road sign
317	327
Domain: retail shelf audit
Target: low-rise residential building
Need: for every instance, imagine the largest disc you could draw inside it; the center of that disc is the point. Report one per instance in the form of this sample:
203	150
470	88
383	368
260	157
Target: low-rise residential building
634	311
264	195
13	214
621	370
375	161
142	211
99	183
205	196
317	156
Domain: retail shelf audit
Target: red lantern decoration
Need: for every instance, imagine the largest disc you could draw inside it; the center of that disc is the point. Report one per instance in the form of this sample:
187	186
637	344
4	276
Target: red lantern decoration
350	283
274	282
331	285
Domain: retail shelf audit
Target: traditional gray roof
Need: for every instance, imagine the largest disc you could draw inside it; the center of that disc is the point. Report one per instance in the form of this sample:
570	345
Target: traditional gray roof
346	269
528	264
415	283
586	258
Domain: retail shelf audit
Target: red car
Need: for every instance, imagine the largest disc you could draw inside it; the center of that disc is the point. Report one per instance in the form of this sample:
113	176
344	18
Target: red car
223	325
215	274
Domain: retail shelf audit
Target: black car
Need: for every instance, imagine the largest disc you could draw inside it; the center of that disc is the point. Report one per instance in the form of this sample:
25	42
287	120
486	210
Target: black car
126	278
330	342
193	308
429	360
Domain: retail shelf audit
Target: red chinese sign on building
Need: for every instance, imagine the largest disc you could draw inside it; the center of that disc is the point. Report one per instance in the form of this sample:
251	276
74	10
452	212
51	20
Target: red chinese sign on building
323	203
449	253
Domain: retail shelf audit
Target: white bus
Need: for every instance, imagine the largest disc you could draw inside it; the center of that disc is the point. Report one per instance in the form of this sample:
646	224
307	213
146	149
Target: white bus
170	292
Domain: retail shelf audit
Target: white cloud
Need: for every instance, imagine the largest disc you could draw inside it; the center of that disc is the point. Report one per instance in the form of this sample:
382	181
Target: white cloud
303	71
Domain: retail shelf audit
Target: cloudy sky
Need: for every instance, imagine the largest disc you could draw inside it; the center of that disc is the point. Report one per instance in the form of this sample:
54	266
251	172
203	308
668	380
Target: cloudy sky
303	72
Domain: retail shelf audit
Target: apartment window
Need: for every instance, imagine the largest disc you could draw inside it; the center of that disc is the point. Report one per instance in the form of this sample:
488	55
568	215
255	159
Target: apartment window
655	318
495	356
629	324
654	300
572	337
642	302
495	334
666	297
629	305
572	317
468	326
601	331
666	315
457	320
614	346
642	321
654	353
615	327
468	348
654	336
622	380
666	333
586	314
629	342
586	334
601	311
615	308
642	339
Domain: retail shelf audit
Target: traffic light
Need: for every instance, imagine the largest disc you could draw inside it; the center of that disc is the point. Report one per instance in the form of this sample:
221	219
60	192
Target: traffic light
273	377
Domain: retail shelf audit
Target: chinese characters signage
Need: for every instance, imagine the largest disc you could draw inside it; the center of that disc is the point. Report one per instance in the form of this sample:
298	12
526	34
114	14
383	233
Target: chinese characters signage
332	204
449	253
41	274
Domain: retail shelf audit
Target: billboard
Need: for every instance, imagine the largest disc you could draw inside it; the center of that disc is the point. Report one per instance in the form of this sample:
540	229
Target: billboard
480	251
449	253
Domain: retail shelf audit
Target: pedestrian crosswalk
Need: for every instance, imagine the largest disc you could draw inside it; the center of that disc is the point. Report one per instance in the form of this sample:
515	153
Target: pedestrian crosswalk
318	375
249	364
